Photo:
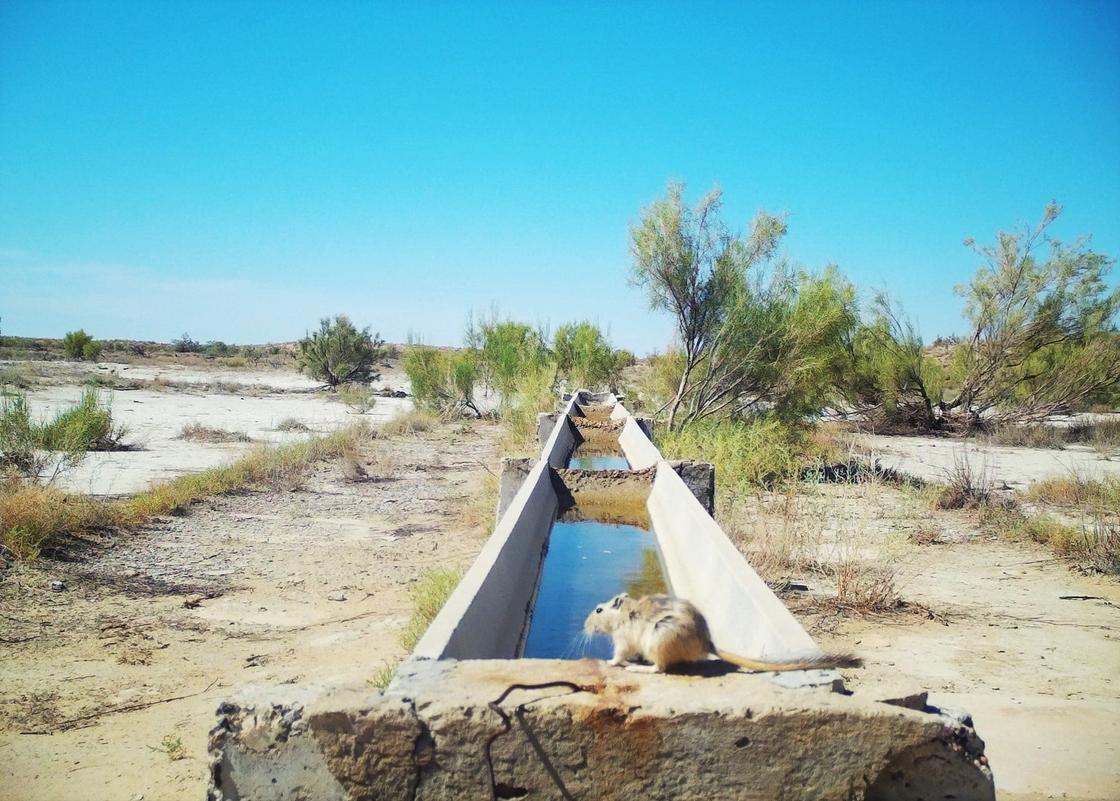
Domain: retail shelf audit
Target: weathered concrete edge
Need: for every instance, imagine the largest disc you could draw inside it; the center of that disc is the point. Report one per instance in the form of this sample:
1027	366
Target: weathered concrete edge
598	732
487	614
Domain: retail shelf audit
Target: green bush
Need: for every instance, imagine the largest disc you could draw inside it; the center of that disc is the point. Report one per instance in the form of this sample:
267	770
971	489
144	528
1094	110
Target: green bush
17	435
91	351
748	455
80	345
442	381
507	350
185	344
339	353
585	357
29	447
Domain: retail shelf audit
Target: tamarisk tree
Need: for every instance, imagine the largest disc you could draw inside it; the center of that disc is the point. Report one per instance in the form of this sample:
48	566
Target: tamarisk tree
752	333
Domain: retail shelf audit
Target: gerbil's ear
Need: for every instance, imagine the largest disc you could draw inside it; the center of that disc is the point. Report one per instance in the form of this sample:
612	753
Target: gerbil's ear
617	602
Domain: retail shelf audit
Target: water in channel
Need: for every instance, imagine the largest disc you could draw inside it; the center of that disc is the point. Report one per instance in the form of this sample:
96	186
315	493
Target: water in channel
588	459
587	563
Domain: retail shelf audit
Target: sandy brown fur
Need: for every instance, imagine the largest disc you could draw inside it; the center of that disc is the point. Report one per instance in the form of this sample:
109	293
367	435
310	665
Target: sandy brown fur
668	632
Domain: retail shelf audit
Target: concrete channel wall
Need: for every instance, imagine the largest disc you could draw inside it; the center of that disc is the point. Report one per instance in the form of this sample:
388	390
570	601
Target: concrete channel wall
487	615
463	719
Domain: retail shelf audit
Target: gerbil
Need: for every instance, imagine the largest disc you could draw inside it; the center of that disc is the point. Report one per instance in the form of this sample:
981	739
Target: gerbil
667	632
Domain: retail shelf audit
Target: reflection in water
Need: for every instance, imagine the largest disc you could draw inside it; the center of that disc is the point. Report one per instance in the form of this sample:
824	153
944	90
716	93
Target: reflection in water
598	462
587	563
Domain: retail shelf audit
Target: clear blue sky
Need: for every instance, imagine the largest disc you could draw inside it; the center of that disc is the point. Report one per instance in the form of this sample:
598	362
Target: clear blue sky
238	170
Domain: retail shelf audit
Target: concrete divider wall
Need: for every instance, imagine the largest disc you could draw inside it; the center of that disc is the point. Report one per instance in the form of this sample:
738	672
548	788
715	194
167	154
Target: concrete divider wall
744	615
487	615
636	446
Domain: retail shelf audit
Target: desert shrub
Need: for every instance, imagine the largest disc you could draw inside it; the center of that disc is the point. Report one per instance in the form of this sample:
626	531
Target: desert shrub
73	343
410	422
1042	339
1093	547
967	486
1079	491
429	594
29	446
18	437
359	398
748	455
506	351
197	432
218	348
533	392
754	334
1103	434
91	351
81	346
441	381
87	426
185	344
339	353
585	357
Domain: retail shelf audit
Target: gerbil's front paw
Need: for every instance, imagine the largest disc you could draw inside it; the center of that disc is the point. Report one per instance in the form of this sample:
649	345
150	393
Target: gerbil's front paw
642	668
617	662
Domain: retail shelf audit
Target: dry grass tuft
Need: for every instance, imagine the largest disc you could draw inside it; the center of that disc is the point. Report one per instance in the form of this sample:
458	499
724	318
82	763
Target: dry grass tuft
429	594
31	516
479	512
292	424
1079	491
414	421
197	432
968	487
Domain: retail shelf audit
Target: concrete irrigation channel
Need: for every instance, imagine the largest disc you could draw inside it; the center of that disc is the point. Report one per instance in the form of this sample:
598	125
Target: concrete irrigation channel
486	708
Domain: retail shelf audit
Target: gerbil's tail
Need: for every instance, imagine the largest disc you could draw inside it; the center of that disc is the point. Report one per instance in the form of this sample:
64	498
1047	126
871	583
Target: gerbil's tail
823	661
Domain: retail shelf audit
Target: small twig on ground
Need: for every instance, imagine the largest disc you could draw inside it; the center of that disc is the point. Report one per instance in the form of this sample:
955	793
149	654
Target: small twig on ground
83	720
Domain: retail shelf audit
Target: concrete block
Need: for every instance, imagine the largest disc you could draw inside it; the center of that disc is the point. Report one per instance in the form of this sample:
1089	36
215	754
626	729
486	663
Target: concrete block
548	729
700	478
511	476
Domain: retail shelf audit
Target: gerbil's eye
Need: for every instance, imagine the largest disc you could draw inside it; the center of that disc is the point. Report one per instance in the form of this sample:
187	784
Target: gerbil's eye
598	610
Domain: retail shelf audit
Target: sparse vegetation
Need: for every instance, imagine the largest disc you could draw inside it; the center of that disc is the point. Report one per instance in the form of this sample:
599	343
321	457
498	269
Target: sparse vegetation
1100	495
410	422
81	346
359	398
292	424
428	594
339	353
383	676
197	432
172	745
185	344
968	486
33	448
31	516
442	381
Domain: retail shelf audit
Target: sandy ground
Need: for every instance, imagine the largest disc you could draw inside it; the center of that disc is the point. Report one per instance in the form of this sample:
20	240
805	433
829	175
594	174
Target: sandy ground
312	586
1007	632
932	459
270	587
154	420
